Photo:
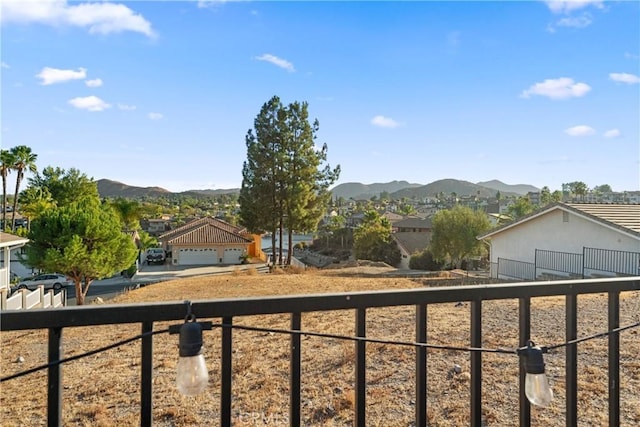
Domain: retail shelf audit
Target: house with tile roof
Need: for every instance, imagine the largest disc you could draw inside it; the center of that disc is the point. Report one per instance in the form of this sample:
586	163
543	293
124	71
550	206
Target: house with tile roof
573	233
208	241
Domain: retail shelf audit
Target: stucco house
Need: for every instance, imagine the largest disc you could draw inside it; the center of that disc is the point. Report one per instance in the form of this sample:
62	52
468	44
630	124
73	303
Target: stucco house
8	242
207	241
574	239
156	226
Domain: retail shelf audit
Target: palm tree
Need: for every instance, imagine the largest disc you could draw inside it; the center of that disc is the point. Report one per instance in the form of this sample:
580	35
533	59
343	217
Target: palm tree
34	201
129	213
24	160
6	165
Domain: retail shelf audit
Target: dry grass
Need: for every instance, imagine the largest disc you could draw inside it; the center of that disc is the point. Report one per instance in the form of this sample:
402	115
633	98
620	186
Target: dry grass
103	390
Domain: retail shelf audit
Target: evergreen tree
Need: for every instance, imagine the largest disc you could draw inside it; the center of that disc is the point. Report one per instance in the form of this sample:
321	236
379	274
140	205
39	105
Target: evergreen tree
283	182
82	240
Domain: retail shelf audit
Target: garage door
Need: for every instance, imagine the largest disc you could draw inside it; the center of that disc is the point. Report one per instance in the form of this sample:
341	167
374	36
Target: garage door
232	256
198	256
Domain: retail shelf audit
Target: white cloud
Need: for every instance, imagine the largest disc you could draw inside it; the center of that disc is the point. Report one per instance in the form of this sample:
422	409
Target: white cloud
203	4
210	3
51	76
4	65
624	78
89	103
125	107
568	6
93	83
384	122
628	55
612	133
581	21
282	63
561	88
580	130
155	116
100	18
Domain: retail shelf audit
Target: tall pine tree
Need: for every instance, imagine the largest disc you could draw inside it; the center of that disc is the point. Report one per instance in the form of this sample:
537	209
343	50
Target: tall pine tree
284	182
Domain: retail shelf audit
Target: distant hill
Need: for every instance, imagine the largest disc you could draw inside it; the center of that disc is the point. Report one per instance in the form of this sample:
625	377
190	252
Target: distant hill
358	191
500	186
115	189
109	188
355	190
448	186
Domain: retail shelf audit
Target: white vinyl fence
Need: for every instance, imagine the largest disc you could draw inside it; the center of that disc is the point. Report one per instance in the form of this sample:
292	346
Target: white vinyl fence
24	299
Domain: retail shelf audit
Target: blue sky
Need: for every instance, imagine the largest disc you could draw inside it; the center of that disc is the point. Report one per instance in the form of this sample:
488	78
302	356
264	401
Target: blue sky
163	93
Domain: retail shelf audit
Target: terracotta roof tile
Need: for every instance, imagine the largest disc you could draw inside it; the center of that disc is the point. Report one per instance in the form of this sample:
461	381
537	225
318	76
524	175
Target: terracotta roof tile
206	230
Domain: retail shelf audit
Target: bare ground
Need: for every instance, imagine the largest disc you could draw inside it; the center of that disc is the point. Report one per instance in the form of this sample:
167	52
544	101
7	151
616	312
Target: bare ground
103	390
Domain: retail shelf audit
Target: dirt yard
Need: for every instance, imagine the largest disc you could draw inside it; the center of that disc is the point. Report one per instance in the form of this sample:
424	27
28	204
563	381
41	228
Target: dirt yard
103	390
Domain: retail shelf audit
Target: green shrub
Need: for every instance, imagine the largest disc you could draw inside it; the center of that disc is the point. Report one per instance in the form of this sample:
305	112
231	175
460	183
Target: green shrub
424	261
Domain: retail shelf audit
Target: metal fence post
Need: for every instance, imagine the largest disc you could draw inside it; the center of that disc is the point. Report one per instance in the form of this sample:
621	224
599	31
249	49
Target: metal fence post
54	395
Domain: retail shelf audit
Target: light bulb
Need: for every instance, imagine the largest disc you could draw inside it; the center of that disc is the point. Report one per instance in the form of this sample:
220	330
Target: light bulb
536	386
192	376
537	390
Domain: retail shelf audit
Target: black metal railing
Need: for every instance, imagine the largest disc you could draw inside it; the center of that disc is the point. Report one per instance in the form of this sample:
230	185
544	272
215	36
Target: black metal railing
228	309
612	261
563	262
592	262
516	270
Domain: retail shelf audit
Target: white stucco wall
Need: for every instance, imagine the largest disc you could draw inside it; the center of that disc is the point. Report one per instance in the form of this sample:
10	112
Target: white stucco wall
550	232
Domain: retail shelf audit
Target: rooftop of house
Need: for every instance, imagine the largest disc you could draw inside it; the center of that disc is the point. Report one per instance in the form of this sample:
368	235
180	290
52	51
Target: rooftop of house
623	217
7	239
206	230
413	222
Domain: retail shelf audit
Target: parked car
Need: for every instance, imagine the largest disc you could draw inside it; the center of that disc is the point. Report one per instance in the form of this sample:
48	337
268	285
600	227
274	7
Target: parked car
49	280
156	256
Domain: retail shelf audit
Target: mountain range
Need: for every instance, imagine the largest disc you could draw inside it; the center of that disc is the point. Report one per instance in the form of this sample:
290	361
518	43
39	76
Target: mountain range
115	189
400	189
350	190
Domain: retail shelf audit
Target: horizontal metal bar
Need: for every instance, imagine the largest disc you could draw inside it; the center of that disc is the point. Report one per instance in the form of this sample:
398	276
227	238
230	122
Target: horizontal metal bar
168	311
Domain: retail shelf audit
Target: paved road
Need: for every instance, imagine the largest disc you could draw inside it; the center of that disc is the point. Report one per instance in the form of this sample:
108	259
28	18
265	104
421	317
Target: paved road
150	274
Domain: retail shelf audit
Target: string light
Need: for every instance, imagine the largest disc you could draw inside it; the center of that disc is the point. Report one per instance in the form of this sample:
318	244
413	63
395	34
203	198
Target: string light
536	385
192	376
